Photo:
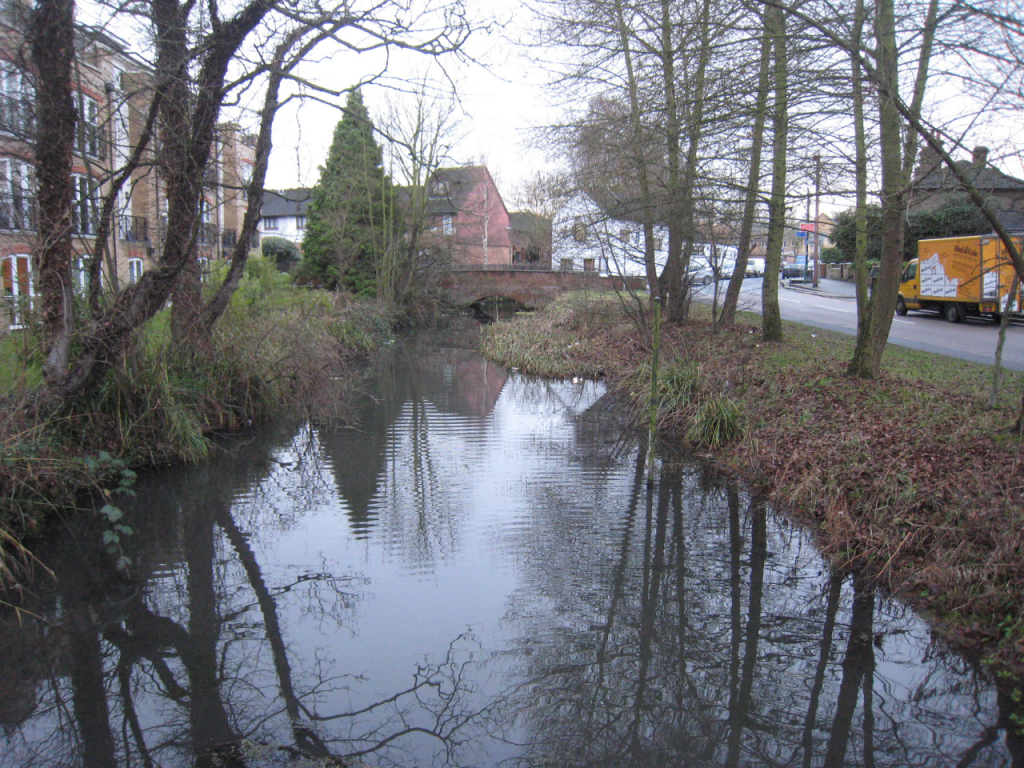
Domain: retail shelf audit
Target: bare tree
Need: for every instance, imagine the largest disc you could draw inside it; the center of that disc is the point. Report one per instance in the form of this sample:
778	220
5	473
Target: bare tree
203	55
421	134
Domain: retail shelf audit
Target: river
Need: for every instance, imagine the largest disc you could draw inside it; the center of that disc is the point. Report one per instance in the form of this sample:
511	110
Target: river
470	571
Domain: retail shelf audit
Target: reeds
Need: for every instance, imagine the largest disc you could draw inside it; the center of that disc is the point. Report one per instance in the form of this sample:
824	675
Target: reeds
277	348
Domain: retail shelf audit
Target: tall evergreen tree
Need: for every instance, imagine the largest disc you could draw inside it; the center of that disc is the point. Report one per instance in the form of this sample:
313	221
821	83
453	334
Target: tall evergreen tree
351	217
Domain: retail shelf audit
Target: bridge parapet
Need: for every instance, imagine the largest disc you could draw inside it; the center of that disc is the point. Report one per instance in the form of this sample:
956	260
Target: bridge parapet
531	287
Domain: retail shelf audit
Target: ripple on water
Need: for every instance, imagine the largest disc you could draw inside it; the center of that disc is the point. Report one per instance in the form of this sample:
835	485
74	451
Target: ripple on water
492	538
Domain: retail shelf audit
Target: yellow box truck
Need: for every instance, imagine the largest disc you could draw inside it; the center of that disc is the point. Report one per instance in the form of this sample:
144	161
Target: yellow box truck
959	277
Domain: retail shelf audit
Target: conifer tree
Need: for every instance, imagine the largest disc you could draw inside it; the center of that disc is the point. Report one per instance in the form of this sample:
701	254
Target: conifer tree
351	218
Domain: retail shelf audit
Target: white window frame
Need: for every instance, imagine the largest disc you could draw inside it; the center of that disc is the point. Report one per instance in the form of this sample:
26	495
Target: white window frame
17	95
448	225
88	135
84	206
17	194
80	273
270	222
245	177
135	269
15	293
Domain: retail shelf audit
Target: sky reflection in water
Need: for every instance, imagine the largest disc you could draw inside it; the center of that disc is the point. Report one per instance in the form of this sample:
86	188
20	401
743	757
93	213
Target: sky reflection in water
473	573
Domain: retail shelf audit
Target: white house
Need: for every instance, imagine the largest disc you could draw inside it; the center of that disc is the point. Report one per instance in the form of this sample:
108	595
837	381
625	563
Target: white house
587	238
284	214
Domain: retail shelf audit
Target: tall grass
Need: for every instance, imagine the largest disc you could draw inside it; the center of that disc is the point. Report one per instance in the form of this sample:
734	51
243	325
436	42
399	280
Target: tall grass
277	347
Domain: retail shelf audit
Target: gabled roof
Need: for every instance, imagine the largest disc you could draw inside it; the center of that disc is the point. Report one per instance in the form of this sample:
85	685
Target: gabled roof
450	188
984	178
525	221
286	202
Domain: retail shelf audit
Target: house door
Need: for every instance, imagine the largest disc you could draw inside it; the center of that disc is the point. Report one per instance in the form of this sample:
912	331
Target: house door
18	287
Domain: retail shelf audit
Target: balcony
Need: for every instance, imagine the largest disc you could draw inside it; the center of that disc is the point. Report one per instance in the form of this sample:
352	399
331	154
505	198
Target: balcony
133	229
16	116
208	235
18	213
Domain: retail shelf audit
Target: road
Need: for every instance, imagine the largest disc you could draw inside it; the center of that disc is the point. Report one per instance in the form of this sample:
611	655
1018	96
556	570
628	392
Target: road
974	340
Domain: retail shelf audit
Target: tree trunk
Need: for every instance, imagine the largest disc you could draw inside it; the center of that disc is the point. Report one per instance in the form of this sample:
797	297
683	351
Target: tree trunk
873	331
1004	322
53	50
771	316
732	294
679	303
646	214
194	120
898	155
860	266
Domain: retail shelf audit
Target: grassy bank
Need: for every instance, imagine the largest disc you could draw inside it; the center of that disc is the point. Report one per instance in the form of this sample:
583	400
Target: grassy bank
908	478
278	347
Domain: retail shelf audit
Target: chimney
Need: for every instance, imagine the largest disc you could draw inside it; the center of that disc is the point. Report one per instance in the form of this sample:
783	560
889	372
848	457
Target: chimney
930	159
980	156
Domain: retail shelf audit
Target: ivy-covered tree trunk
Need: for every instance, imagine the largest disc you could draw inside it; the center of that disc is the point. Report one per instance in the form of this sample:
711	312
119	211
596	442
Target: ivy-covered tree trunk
53	49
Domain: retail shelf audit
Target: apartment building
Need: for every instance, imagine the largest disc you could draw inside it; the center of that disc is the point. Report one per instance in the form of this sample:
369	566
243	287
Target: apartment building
112	90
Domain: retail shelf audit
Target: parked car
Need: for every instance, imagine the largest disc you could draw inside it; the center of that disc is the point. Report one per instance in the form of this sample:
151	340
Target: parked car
796	271
755	267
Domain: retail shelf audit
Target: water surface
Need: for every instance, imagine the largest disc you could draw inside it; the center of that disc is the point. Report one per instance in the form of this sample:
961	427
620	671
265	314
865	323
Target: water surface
471	572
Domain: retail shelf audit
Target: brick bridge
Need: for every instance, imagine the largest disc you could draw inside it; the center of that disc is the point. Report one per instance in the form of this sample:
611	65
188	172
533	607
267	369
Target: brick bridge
533	288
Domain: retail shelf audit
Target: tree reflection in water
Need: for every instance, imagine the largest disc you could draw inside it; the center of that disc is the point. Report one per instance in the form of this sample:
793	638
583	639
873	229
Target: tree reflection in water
693	646
186	648
684	624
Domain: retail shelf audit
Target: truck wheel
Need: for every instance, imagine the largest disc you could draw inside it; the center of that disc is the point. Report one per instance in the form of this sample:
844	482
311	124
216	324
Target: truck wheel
901	306
707	279
953	312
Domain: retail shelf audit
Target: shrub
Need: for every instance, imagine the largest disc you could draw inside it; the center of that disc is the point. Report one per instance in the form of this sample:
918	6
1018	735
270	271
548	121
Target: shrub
284	253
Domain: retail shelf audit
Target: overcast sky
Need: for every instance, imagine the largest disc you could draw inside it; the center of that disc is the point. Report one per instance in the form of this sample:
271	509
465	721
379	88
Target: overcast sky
500	98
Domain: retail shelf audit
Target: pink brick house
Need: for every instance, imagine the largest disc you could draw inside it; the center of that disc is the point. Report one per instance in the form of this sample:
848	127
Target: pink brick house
469	218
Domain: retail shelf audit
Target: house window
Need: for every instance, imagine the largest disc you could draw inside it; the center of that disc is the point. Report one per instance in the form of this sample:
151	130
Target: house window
579	231
270	222
624	235
18	286
17	202
300	223
448	225
16	99
439	189
85	212
88	135
204	268
135	269
245	172
589	265
80	273
205	211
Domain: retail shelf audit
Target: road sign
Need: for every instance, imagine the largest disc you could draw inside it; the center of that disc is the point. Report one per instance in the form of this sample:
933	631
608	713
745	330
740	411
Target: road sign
801	234
807	226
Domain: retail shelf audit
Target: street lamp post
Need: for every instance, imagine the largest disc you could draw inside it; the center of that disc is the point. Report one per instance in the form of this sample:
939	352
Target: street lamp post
817	203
